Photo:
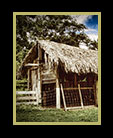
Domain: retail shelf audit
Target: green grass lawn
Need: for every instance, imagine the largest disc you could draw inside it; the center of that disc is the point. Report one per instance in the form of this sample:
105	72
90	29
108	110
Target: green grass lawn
31	113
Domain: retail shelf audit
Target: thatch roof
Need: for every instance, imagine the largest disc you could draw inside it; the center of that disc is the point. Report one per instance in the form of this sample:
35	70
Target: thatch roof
73	59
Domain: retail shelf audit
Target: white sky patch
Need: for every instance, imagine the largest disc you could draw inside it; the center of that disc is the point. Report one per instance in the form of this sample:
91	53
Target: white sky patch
91	30
92	33
82	18
93	36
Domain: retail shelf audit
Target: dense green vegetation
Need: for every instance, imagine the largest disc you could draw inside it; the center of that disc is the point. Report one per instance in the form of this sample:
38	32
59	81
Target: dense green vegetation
31	113
21	85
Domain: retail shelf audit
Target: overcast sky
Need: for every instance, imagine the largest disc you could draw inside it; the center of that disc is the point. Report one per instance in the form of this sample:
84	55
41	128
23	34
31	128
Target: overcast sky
91	22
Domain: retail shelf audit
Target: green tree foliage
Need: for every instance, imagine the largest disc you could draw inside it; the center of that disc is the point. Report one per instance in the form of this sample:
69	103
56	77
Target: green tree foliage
58	28
94	45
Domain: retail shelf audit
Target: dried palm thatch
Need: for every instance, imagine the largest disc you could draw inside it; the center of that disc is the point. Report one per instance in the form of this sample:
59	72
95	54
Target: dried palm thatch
73	59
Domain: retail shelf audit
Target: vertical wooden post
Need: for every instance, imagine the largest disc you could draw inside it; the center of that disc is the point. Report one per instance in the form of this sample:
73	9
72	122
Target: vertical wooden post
39	53
28	79
57	90
39	75
95	88
39	84
97	93
37	97
45	56
80	96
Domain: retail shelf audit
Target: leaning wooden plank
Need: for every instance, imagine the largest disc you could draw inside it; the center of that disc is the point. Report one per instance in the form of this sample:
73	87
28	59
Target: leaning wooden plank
26	98
25	92
81	100
27	103
63	97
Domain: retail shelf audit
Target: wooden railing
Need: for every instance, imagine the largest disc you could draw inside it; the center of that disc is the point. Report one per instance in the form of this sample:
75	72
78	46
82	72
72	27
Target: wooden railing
26	97
31	97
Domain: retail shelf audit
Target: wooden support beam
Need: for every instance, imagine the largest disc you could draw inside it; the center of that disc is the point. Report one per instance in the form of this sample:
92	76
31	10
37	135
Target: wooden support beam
96	93
39	53
57	90
25	92
25	98
28	81
95	90
39	81
45	57
82	88
63	98
58	98
39	85
81	100
38	76
37	96
48	82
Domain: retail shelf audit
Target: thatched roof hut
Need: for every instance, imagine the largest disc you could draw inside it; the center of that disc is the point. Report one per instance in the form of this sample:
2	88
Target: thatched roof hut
73	59
51	65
